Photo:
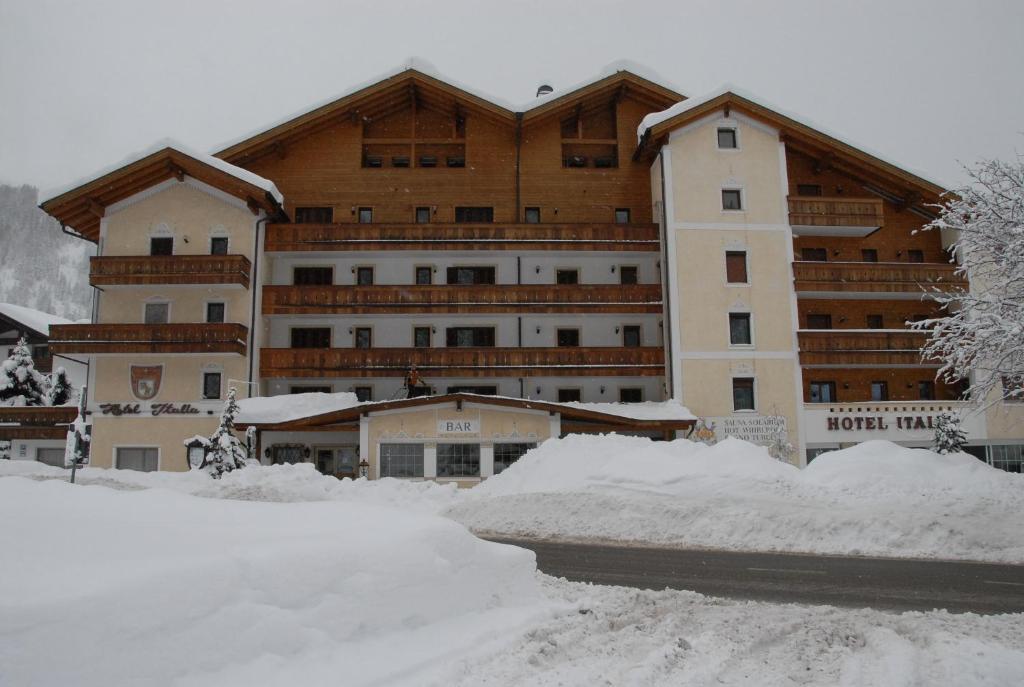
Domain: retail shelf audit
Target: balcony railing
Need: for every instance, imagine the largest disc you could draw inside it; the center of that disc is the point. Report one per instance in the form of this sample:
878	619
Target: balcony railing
363	237
875	277
843	347
588	298
38	415
110	270
838	216
223	337
462	362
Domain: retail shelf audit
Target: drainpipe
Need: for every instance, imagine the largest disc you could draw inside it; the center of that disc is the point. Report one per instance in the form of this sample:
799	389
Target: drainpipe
666	288
519	144
254	286
93	309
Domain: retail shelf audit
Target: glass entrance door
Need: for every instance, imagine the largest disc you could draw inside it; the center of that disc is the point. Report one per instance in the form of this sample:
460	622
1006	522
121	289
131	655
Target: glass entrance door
339	461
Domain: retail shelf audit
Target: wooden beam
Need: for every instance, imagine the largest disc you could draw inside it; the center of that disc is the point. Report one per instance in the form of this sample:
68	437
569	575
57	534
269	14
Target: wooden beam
253	205
95	208
176	171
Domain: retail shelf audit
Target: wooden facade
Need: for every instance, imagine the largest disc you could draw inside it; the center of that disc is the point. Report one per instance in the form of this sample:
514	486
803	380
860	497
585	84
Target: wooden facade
204	337
859	347
169	269
812	211
875	277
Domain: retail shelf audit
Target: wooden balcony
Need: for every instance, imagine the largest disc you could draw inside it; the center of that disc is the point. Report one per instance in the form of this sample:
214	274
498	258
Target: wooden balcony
111	270
462	362
495	298
837	216
225	337
41	416
875	277
367	237
847	347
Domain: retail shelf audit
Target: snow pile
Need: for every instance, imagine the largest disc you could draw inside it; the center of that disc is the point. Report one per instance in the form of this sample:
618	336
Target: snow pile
109	587
873	499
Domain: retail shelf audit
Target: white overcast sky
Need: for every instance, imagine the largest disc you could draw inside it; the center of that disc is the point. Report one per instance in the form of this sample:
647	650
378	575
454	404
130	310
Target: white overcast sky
927	83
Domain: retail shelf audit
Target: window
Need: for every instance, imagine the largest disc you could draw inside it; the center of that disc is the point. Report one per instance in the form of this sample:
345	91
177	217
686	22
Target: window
401	460
482	390
467	214
163	245
879	391
926	390
399	161
309	390
317	215
506	454
731	199
141	459
532	216
287	454
421	337
743	393
211	385
736	267
918	317
424	275
364	276
423	215
456	160
569	395
311	337
739	329
365	215
427	161
1009	457
622	215
157	313
374	161
364	394
214	312
631	395
814	254
52	456
471	275
631	336
868	255
819	321
567	276
458	460
1013	390
568	337
808	189
363	337
628	274
219	245
313	276
727	138
469	337
823	392
875	322
915	256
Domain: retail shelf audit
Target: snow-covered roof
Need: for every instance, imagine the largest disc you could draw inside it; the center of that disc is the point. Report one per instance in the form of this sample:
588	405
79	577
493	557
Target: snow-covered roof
287	407
35	320
163	144
656	118
610	69
649	410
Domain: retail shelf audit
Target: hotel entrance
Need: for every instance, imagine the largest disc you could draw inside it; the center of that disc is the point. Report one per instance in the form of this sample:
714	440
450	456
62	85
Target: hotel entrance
338	461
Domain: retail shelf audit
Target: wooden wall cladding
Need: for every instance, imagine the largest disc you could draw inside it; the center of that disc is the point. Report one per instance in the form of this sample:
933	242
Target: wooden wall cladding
854	385
853	314
896	236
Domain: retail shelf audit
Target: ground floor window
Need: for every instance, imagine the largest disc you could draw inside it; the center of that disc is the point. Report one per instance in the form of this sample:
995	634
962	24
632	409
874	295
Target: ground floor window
458	460
51	456
401	460
1009	457
506	454
280	455
813	453
141	459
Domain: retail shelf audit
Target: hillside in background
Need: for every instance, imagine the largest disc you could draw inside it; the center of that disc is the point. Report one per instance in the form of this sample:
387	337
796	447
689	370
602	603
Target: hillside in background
40	266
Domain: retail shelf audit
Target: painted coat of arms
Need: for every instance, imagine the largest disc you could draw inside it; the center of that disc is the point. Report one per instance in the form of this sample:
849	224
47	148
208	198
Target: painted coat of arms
146	380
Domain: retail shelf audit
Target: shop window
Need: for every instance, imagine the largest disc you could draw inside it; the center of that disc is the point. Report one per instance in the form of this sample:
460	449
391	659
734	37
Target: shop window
567	276
1009	457
471	275
214	312
817	321
312	276
814	254
628	274
736	267
727	138
506	454
311	337
823	392
219	245
532	216
474	214
211	385
568	337
879	391
141	459
401	460
314	215
569	395
631	336
458	460
739	329
743	393
364	276
157	313
868	255
469	337
363	337
631	395
732	199
161	245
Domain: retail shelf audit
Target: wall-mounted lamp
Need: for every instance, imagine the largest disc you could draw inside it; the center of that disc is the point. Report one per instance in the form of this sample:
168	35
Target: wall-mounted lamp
353	209
537	269
538	391
839	190
353	270
185	239
835	251
602	389
433	209
613	269
657	263
661	324
909	385
899	253
616	330
364	468
538	330
556	211
846	385
433	330
842	319
350	330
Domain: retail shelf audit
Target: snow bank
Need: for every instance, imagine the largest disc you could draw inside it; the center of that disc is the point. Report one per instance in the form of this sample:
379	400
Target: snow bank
874	499
117	587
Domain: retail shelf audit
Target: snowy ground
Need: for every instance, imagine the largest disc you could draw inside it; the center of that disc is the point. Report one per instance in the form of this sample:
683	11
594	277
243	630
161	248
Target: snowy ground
282	578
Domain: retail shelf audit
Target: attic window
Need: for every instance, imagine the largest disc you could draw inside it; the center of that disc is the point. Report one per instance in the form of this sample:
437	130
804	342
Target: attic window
727	138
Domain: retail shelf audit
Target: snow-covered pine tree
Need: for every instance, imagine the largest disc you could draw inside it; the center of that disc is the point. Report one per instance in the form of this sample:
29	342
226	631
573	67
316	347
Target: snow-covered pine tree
61	389
226	452
20	383
5	450
949	437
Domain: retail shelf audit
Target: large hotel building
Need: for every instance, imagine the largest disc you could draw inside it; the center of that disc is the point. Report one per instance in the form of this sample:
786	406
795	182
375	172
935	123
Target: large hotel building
610	257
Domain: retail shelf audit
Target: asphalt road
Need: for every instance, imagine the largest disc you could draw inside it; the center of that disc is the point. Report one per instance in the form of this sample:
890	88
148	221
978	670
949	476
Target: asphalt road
884	583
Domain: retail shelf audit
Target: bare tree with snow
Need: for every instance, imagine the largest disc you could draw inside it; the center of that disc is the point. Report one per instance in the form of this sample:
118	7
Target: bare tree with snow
981	336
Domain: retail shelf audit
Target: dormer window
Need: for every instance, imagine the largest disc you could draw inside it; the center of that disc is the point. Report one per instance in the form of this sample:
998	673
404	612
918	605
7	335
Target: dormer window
727	138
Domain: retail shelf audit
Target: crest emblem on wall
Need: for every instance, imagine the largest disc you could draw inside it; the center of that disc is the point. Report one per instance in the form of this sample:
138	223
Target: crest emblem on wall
146	380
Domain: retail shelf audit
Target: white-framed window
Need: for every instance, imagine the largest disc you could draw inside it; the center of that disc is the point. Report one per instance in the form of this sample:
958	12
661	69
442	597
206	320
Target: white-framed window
458	460
727	137
212	384
737	267
507	453
156	312
219	245
741	329
732	199
744	394
401	460
141	458
216	311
